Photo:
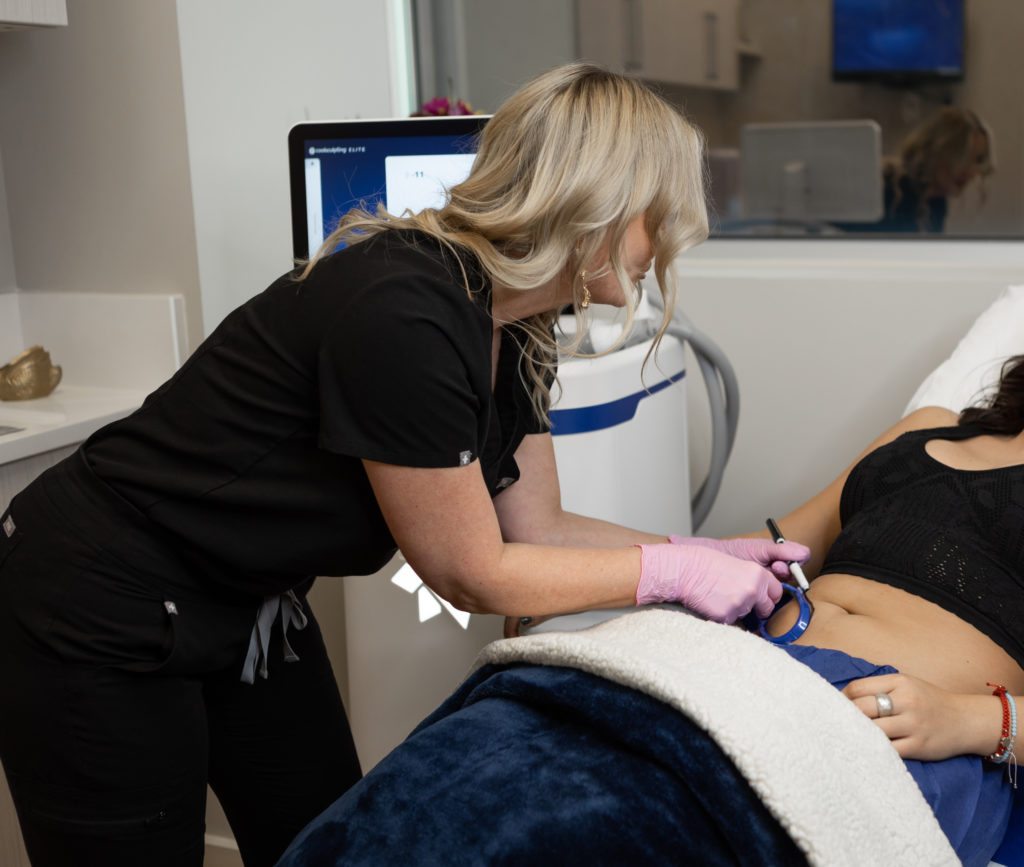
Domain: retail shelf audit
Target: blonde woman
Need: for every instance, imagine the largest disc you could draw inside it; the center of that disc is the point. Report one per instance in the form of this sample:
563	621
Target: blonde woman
938	159
391	394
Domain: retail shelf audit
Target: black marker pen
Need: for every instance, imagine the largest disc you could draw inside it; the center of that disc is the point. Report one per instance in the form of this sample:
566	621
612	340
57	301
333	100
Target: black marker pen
794	567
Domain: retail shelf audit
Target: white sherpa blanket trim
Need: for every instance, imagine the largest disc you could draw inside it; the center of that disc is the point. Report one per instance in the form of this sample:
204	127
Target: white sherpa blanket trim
823	769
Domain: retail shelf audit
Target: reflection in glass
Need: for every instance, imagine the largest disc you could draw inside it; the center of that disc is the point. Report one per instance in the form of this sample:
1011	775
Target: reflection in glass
782	68
937	162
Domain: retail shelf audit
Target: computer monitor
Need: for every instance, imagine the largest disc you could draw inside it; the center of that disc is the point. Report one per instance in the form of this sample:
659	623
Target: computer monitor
403	163
816	172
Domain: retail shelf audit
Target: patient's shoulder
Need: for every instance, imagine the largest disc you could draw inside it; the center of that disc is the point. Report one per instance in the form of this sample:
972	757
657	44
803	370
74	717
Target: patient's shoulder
928	417
919	419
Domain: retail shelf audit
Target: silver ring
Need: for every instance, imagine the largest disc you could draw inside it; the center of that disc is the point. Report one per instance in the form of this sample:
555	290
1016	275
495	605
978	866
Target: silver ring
884	704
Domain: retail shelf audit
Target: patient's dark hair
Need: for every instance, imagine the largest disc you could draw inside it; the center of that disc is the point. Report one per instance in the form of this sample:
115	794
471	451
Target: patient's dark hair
1004	412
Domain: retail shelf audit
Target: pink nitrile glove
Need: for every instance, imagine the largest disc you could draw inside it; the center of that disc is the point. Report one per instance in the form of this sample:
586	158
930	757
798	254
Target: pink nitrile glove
775	555
717	585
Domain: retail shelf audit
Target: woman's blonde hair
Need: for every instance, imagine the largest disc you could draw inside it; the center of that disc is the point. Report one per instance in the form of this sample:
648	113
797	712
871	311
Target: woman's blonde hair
943	142
567	162
946	139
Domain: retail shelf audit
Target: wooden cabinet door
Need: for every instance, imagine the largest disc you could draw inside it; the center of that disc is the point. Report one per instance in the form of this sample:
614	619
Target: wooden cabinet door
688	42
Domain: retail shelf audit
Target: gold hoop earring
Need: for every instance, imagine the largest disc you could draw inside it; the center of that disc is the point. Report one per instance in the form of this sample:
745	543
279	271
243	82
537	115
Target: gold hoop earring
585	300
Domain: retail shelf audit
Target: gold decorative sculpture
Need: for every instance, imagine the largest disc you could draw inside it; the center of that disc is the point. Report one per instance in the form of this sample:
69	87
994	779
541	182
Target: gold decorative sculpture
30	375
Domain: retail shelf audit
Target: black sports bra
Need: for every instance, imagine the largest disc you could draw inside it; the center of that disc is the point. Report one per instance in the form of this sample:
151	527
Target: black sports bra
953	537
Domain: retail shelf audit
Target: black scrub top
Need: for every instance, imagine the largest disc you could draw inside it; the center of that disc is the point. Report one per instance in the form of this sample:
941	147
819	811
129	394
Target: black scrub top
250	456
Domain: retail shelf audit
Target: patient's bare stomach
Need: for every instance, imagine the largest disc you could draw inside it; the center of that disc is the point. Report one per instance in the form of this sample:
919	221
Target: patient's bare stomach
888	626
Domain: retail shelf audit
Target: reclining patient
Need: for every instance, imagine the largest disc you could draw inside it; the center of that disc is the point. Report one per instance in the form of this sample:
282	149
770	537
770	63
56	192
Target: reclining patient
918	597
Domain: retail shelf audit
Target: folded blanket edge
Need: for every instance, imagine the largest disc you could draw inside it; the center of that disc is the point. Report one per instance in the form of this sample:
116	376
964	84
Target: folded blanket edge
847	801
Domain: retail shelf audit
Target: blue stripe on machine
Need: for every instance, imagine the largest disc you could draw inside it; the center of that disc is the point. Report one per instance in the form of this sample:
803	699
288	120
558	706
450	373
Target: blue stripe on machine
585	419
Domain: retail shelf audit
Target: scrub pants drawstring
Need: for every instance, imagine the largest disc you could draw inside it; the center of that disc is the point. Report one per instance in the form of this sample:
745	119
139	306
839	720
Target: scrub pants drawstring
292	614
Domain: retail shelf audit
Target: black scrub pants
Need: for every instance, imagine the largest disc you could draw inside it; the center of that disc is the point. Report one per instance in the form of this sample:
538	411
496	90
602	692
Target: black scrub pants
120	693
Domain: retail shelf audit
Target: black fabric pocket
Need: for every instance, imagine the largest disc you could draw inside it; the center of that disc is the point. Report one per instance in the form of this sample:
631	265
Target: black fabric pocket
98	616
182	637
83	607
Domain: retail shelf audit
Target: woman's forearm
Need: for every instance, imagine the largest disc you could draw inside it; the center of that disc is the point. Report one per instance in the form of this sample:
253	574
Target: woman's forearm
545	579
568	529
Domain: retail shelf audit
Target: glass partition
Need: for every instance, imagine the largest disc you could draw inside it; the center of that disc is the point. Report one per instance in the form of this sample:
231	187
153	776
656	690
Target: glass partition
937	78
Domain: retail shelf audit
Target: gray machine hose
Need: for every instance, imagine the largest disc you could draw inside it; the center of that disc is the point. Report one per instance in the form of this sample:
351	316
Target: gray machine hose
723	402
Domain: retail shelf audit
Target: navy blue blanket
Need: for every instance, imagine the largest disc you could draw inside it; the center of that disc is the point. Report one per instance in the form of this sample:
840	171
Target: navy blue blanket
548	765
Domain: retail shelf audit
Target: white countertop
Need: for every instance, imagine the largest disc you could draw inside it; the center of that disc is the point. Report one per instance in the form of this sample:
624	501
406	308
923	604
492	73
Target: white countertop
67	416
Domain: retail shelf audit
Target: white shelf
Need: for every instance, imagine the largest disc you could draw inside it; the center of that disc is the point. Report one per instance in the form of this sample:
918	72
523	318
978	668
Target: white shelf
19	14
66	417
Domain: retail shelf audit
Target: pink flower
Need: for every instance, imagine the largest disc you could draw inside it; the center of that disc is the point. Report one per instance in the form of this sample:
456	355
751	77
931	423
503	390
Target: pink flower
440	106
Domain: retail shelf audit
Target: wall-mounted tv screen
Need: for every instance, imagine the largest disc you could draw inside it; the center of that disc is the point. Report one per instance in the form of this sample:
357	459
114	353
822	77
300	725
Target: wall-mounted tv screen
897	40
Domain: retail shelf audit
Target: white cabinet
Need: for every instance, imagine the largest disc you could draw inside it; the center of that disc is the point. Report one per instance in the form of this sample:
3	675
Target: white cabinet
17	14
688	42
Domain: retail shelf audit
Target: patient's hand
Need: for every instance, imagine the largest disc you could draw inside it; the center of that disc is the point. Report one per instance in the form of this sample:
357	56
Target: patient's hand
927	722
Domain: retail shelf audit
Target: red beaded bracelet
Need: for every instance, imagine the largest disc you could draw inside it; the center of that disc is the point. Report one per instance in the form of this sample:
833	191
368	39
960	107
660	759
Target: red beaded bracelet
1005	748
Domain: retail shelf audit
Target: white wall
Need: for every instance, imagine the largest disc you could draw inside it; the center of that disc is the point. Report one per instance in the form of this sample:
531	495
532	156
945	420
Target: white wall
93	148
10	327
829	341
143	145
7	279
250	70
